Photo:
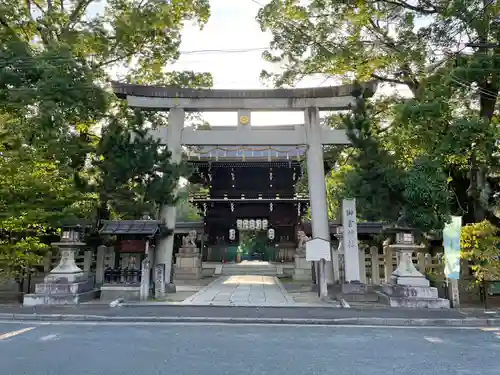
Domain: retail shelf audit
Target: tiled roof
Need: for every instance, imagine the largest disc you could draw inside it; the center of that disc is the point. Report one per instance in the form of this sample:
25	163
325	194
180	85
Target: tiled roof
146	227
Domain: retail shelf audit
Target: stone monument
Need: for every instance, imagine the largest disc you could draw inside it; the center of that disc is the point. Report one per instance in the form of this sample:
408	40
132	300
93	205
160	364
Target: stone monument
188	260
407	286
67	283
350	290
303	269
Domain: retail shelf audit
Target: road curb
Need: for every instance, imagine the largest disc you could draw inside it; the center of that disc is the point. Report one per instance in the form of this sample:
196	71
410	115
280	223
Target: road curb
377	321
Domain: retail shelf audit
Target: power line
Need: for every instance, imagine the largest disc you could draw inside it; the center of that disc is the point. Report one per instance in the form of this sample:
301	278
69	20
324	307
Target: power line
92	56
217	51
454	54
286	23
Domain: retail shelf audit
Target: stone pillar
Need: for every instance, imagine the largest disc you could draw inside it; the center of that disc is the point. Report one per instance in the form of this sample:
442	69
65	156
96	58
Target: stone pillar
165	246
388	262
454	293
362	265
375	265
350	237
87	261
145	267
336	260
316	182
159	280
99	265
110	257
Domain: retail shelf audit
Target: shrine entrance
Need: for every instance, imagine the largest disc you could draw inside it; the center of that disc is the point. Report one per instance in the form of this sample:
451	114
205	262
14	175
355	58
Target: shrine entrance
250	172
254	246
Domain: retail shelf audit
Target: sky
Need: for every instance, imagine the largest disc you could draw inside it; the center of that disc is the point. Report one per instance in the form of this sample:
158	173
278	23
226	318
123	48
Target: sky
230	46
232	26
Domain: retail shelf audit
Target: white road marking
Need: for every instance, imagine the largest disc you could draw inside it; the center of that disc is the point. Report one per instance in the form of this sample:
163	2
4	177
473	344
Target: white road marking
48	338
435	340
138	324
8	335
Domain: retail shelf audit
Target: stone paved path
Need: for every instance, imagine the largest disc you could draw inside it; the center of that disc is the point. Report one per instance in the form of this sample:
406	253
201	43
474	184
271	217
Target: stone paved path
242	290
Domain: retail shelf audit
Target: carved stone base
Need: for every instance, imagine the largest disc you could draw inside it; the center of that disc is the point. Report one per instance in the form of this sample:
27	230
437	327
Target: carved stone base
188	250
412	297
62	293
302	270
188	264
408	287
65	277
64	285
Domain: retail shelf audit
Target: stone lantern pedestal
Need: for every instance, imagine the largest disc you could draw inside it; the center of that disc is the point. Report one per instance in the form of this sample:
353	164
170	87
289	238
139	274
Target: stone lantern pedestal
408	287
188	264
67	283
302	270
188	259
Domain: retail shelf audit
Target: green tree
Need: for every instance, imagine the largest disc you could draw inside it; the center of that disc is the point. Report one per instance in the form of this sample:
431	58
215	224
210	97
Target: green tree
412	44
55	59
36	195
480	243
185	210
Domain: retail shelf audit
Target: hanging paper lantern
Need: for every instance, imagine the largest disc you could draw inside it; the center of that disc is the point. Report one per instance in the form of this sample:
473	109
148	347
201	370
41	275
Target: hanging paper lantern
264	224
251	224
245	224
239	223
232	234
258	224
270	234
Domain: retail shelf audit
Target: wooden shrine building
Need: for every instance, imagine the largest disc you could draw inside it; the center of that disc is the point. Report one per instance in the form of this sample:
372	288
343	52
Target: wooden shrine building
250	189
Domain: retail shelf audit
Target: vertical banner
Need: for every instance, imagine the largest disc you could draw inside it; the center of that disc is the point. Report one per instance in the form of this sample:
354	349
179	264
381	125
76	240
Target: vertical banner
451	244
350	234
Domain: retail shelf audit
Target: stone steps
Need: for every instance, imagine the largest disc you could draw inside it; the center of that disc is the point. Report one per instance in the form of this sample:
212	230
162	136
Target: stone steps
259	270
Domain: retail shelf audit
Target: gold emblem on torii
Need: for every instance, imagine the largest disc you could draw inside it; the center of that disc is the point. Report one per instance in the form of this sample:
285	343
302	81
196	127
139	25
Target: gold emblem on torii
244	120
244	117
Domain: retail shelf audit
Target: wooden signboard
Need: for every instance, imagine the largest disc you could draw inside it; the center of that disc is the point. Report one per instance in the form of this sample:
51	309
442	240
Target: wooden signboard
132	246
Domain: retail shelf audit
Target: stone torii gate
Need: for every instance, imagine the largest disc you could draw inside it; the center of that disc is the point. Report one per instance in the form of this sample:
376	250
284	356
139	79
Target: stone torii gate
311	134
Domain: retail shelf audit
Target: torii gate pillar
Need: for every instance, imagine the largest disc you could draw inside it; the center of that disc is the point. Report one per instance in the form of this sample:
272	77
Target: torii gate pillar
164	250
316	182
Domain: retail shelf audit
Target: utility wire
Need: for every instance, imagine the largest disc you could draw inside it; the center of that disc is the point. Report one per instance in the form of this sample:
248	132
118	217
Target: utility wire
286	24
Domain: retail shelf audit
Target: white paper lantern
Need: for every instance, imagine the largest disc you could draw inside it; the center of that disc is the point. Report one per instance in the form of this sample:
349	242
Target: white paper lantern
258	224
251	224
239	223
264	224
270	234
232	234
245	224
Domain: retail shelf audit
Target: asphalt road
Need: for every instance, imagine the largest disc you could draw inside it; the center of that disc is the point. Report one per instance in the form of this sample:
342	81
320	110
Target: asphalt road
122	349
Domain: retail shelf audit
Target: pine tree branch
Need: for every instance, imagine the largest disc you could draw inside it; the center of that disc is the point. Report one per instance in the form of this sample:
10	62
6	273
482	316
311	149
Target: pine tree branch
387	79
421	9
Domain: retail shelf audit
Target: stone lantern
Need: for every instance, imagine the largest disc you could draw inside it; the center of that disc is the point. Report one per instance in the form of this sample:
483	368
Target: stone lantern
66	284
67	270
407	286
406	273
